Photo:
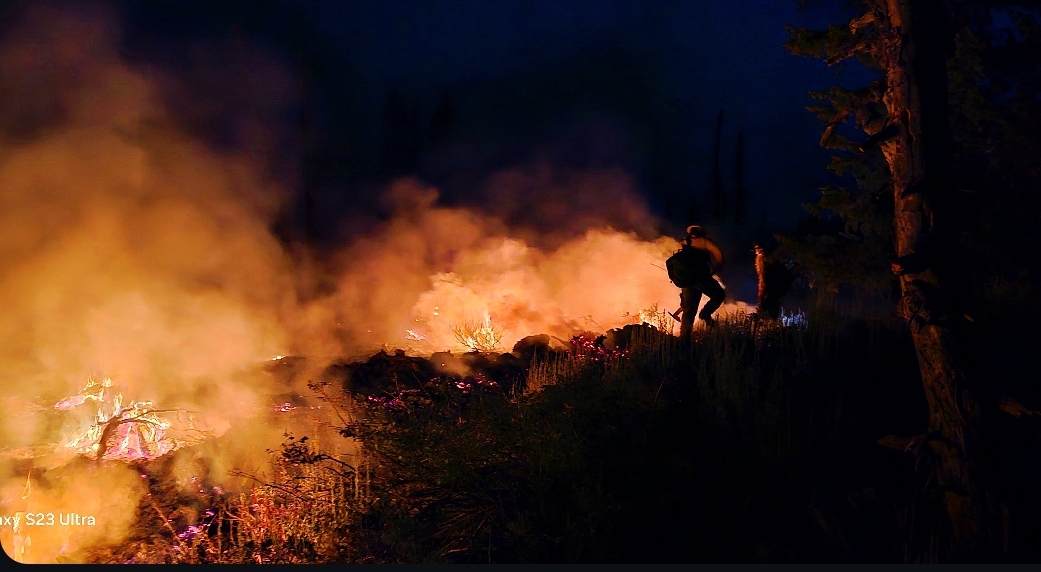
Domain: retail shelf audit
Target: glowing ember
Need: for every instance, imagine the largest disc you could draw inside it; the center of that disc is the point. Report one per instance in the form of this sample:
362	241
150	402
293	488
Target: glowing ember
118	432
285	407
590	347
190	531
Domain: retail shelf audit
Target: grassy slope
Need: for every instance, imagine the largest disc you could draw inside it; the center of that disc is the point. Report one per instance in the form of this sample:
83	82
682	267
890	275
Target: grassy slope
750	446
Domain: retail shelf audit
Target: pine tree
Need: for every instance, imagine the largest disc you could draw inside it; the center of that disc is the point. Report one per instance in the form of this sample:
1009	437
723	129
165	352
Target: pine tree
443	121
849	237
719	204
905	114
740	193
402	140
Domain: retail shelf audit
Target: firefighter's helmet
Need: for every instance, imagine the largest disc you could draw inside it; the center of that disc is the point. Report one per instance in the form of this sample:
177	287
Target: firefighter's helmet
696	231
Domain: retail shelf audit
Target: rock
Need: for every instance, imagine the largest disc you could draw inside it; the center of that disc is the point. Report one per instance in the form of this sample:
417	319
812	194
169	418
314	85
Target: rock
383	373
539	347
448	363
504	369
620	339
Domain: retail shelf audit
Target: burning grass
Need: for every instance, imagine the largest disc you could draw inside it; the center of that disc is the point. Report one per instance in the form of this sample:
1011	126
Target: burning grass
128	431
755	443
586	460
478	336
296	518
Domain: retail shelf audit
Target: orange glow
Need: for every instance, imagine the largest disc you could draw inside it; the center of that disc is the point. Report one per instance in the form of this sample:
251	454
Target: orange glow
133	250
117	432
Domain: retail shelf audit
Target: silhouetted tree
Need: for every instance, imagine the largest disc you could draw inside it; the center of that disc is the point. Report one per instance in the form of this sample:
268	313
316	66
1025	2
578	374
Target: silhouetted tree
402	139
905	114
306	79
719	205
693	212
740	193
443	121
848	239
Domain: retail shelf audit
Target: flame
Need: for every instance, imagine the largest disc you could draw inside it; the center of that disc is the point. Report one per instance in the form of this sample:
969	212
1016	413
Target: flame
127	433
415	336
481	336
657	318
28	486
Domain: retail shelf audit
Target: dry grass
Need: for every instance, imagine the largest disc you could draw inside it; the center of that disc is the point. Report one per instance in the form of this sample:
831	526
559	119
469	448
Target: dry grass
478	336
302	516
754	389
544	373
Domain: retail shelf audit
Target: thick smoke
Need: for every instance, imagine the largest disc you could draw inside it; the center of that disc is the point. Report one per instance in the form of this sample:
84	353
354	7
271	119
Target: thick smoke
433	272
132	251
547	206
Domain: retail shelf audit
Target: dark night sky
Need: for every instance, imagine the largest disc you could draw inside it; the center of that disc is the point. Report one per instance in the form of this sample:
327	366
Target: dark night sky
578	83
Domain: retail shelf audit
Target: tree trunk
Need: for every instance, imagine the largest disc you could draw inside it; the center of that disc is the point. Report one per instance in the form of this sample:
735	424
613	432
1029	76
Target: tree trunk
915	97
719	199
740	193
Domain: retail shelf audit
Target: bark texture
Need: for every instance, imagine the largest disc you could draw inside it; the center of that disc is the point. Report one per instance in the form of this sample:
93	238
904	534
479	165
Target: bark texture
914	60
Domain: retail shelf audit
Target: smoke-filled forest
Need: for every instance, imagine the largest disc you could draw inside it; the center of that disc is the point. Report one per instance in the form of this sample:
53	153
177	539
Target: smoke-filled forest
520	282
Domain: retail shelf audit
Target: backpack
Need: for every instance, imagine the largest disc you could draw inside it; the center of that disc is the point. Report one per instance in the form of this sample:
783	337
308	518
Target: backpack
688	266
